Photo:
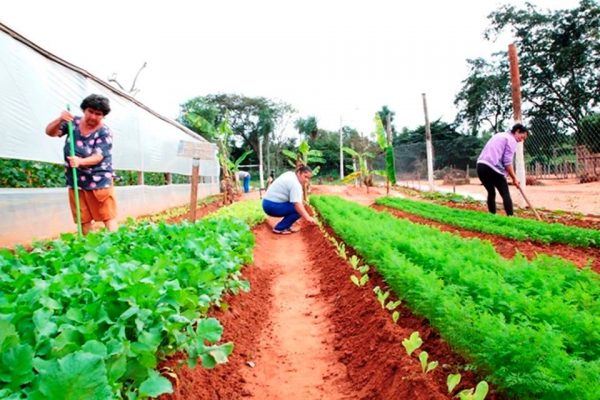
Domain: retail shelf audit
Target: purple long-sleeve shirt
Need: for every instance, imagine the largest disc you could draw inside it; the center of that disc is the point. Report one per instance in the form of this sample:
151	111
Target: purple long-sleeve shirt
499	151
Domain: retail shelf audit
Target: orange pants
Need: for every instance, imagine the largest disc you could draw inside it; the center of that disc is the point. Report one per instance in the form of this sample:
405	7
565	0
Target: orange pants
96	205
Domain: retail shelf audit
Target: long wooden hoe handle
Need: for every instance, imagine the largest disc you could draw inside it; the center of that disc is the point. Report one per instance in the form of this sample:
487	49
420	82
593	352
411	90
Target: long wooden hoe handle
529	204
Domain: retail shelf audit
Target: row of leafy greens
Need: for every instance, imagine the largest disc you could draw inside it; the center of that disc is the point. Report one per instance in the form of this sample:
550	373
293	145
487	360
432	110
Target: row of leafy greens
511	227
91	318
533	327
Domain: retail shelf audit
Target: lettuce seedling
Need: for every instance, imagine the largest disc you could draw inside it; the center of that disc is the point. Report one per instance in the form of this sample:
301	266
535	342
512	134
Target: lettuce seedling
480	392
412	343
342	251
381	296
425	366
392	305
452	381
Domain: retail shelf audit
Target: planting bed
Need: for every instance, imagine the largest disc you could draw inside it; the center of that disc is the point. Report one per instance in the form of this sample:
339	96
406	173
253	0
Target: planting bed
546	203
305	330
329	340
509	247
360	355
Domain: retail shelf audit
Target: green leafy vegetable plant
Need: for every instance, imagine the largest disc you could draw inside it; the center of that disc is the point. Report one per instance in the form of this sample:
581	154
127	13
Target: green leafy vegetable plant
426	366
478	393
412	343
452	381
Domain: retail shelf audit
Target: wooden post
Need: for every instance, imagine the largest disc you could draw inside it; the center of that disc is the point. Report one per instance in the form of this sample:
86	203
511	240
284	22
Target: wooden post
261	175
388	131
341	149
194	191
140	178
515	84
196	151
429	146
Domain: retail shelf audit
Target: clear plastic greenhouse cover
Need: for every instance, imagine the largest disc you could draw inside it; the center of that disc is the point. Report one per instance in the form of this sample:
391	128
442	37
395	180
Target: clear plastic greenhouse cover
35	89
36	86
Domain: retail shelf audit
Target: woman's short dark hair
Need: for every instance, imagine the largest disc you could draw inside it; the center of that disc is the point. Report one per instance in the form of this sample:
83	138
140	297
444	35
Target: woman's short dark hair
303	169
519	127
96	102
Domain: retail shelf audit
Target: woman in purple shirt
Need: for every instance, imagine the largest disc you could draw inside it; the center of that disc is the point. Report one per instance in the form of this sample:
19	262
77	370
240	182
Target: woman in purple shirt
496	162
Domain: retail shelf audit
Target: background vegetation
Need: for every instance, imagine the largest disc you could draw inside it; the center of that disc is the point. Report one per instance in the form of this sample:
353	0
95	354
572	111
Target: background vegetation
559	56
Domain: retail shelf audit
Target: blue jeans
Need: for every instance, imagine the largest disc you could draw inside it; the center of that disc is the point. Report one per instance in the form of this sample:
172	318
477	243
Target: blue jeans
246	184
285	210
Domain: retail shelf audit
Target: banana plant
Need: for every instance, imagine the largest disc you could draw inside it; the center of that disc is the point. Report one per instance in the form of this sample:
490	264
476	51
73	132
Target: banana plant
363	174
305	156
388	149
221	134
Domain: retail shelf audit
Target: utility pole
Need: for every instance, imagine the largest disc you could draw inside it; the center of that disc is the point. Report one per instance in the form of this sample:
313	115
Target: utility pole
515	84
429	145
388	134
260	163
341	149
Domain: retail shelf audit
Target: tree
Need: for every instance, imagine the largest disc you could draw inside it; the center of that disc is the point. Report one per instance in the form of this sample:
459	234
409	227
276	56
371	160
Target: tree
485	98
450	147
328	143
383	115
559	56
249	117
588	133
307	126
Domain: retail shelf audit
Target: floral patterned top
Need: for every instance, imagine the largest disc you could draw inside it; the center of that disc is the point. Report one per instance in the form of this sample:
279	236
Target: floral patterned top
98	176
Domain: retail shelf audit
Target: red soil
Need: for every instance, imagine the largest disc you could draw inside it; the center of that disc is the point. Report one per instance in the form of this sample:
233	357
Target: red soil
312	334
305	331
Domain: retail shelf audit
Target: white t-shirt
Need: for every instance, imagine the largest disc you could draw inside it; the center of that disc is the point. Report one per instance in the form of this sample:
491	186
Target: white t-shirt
286	188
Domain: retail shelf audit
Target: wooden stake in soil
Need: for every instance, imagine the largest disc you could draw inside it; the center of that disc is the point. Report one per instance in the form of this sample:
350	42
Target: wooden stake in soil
196	151
194	194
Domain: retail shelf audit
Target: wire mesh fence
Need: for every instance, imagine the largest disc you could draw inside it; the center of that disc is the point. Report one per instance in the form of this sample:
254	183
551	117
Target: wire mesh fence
551	153
555	153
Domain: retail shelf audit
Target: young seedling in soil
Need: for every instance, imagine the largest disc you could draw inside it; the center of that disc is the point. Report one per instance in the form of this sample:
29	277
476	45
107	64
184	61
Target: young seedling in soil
412	343
479	394
341	248
381	296
392	305
452	381
425	366
360	282
354	261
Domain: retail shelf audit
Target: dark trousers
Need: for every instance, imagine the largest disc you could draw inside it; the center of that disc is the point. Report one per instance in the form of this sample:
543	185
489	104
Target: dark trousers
493	180
285	210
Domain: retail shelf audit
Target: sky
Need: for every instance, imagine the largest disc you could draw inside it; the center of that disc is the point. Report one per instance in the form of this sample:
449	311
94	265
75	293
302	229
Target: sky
337	61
